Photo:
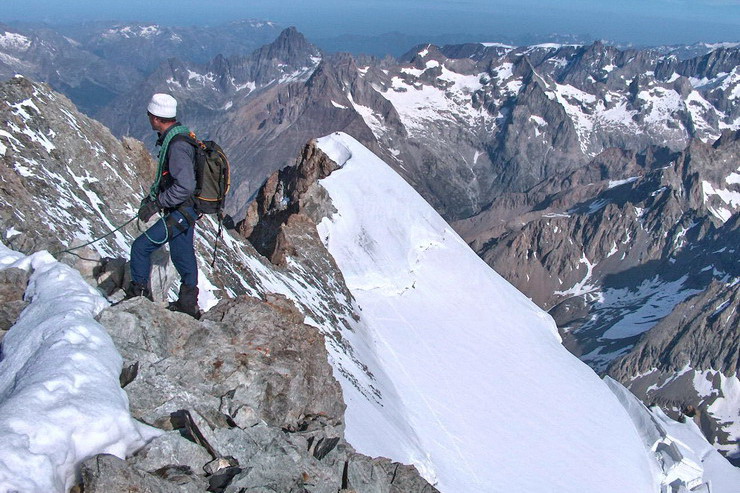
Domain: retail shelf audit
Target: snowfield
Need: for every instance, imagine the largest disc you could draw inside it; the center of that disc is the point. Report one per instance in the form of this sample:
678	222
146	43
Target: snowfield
491	399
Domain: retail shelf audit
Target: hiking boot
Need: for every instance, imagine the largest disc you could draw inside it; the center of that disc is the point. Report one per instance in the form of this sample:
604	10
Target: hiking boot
135	289
187	301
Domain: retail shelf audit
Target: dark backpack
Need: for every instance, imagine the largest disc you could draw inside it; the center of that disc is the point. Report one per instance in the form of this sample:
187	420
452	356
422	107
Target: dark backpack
212	172
212	181
212	177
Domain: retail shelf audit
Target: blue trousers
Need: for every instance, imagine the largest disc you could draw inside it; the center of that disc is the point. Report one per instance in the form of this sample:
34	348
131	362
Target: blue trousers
182	252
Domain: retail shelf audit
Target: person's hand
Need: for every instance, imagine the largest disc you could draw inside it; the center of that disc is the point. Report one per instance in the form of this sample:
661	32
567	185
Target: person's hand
148	208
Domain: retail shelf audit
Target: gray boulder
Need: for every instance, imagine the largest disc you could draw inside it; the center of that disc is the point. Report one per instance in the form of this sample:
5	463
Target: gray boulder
250	401
381	475
247	361
109	474
172	449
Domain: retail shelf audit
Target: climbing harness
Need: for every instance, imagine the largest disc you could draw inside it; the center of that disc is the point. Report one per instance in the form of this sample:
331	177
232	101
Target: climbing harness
170	222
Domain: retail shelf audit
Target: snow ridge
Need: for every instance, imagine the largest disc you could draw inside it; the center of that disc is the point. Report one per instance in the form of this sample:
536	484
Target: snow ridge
60	363
483	379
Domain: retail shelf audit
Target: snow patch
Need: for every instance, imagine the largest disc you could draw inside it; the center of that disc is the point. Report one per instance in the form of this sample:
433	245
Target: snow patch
638	310
581	287
498	45
14	41
617	183
60	398
251	85
729	197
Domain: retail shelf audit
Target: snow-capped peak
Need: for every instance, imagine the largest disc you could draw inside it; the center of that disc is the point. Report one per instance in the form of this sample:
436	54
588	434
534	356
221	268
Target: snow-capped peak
14	41
134	31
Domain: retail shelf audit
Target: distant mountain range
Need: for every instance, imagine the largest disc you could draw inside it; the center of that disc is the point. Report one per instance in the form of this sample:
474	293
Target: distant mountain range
94	62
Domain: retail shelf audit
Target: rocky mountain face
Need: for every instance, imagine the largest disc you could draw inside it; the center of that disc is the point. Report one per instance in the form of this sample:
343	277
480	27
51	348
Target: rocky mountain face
542	110
463	123
92	63
634	255
686	52
267	411
46	55
59	169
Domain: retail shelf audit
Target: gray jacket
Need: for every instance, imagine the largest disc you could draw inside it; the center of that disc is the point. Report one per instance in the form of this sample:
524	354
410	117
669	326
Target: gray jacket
178	180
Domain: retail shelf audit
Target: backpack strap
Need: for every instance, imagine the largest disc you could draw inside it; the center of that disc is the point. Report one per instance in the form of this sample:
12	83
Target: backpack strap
171	134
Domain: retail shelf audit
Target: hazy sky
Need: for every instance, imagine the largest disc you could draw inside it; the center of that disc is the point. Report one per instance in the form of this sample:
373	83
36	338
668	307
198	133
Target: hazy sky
638	21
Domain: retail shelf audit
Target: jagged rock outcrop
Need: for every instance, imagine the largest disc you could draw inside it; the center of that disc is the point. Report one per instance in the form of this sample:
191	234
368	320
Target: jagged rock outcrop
195	358
107	473
73	200
700	332
251	400
285	194
12	286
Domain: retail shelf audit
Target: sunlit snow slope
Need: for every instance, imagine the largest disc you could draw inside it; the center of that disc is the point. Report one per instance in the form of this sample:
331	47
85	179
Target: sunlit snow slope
493	399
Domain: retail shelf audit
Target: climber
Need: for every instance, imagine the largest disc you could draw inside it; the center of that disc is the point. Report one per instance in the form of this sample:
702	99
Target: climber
171	197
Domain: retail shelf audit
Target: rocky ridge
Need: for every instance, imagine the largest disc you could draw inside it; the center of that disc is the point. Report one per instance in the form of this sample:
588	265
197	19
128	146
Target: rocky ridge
123	43
46	55
245	398
64	170
93	62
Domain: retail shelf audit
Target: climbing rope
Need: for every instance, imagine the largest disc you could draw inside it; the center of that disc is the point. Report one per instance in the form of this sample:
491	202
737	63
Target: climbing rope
70	250
166	232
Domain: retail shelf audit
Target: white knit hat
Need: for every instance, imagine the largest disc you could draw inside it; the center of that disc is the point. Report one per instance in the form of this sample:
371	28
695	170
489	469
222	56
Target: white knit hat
163	106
